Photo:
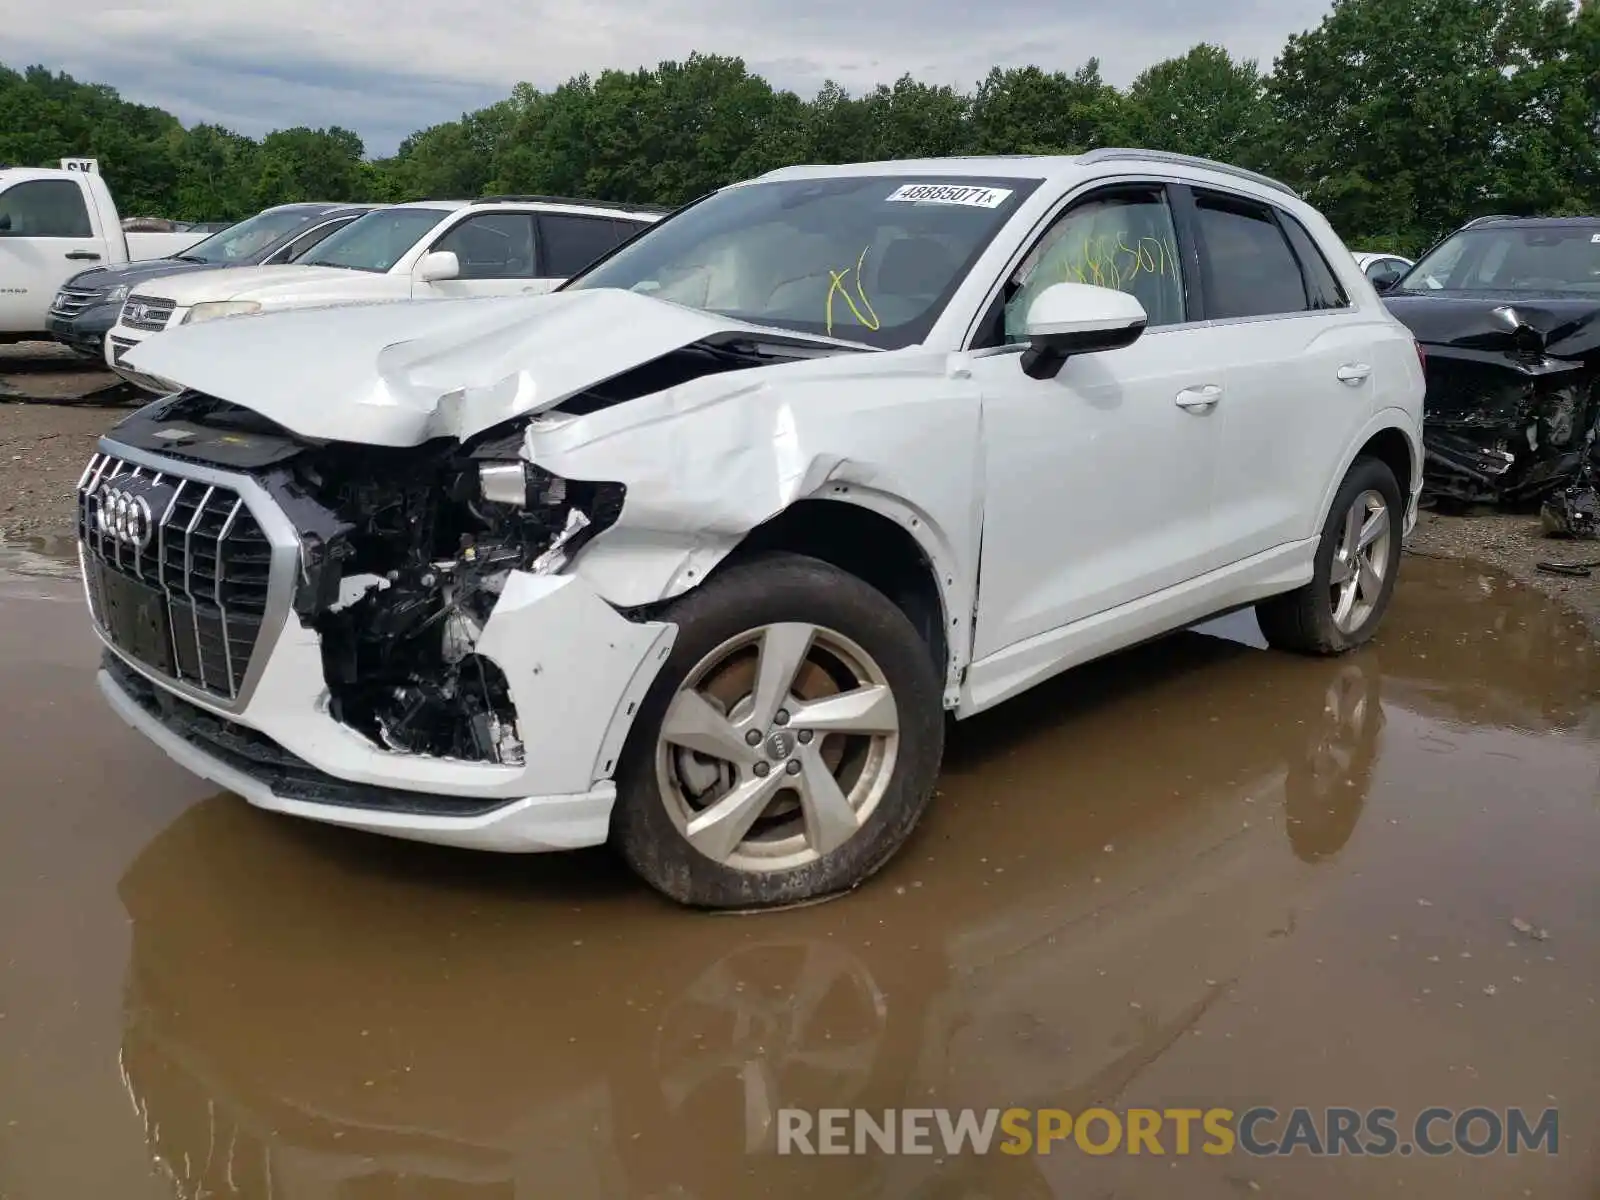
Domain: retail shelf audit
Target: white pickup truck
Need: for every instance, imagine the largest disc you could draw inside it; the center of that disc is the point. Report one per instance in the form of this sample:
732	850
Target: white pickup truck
428	249
55	222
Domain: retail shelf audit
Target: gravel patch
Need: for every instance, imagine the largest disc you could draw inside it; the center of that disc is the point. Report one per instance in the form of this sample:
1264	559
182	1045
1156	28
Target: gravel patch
42	454
1516	544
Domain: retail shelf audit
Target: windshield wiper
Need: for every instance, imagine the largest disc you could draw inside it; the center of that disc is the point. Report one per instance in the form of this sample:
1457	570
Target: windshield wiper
194	258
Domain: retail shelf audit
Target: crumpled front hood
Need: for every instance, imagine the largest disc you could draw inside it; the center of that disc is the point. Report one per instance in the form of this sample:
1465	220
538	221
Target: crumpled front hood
1466	321
400	374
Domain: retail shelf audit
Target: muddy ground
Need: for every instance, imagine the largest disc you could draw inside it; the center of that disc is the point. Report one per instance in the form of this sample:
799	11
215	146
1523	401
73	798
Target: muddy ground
43	446
47	371
1195	875
1198	875
1517	545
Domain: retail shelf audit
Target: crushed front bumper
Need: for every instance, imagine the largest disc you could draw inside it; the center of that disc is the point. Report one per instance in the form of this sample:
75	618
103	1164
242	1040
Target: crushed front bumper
577	671
262	772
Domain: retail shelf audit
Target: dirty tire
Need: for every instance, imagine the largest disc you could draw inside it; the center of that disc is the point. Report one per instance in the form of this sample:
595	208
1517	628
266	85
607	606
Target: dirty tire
1302	621
773	589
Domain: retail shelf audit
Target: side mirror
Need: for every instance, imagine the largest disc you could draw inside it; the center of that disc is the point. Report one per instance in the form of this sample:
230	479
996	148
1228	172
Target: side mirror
1385	285
440	264
1067	319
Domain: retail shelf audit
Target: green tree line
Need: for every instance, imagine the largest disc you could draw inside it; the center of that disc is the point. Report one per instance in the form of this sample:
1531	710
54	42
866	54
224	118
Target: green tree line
1400	119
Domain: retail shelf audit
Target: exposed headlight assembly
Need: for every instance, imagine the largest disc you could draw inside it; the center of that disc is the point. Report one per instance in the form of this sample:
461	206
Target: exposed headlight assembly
518	484
569	512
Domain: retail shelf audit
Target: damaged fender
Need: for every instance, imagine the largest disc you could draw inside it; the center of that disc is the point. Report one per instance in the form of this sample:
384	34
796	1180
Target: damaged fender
709	461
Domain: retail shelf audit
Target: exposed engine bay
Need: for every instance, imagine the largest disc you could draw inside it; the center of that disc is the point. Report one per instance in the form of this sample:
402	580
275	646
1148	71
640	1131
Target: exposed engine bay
1512	433
1513	404
404	553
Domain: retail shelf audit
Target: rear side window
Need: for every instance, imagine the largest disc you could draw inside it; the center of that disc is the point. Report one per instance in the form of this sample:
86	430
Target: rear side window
1250	271
571	243
1322	285
629	229
44	208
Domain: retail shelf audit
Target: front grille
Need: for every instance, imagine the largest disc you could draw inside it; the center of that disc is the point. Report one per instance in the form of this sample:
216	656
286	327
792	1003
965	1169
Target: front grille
190	601
69	302
147	312
120	346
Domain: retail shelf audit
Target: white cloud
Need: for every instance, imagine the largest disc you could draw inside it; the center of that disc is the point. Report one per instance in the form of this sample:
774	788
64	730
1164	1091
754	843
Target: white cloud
388	68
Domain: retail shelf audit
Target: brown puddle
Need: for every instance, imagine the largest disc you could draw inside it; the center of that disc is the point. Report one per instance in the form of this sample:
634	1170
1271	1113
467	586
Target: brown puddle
1199	875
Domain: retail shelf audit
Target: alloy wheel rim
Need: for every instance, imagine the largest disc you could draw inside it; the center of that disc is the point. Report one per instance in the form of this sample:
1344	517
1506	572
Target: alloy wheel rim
777	747
1361	562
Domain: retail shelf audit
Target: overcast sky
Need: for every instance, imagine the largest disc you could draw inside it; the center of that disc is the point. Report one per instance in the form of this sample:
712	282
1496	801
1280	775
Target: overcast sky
388	67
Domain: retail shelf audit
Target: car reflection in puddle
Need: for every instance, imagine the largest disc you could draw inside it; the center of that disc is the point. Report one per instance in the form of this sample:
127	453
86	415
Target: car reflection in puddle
308	1014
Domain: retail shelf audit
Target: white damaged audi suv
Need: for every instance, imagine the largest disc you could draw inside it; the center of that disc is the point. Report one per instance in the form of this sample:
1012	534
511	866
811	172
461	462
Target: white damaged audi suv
699	553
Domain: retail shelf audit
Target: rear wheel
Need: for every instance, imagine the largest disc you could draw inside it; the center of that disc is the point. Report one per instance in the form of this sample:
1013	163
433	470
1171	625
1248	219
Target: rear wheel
788	746
1353	578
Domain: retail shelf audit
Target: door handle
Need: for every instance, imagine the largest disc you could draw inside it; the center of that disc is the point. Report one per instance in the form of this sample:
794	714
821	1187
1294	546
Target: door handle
83	255
1354	373
1200	399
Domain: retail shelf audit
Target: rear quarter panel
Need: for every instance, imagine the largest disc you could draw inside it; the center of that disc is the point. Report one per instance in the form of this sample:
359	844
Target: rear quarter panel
1397	385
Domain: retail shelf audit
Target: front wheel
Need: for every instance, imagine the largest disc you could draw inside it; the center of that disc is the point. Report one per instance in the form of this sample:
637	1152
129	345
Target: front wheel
789	745
1354	573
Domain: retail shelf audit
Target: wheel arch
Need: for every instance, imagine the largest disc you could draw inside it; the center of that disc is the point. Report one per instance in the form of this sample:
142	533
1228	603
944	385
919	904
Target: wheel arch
887	544
1391	437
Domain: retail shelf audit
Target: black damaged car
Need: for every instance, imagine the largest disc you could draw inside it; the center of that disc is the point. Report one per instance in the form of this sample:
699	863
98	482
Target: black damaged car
1507	311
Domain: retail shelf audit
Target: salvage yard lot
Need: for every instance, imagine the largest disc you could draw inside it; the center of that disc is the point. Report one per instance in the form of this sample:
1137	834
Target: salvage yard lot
43	449
1356	880
1359	881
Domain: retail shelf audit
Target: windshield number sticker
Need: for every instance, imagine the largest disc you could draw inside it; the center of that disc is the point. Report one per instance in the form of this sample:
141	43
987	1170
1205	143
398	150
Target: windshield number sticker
1595	238
942	193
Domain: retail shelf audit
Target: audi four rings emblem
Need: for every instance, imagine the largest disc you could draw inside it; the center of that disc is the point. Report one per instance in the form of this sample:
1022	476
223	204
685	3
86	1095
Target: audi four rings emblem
126	517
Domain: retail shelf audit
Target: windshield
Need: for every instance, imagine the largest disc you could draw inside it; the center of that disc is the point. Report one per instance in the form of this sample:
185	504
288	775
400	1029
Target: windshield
871	259
376	241
1540	258
243	242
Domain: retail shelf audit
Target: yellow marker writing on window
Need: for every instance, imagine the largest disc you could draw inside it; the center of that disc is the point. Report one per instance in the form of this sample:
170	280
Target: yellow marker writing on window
837	285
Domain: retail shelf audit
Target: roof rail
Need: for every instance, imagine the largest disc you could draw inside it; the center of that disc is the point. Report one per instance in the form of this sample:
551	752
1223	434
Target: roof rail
1491	217
1123	153
618	205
